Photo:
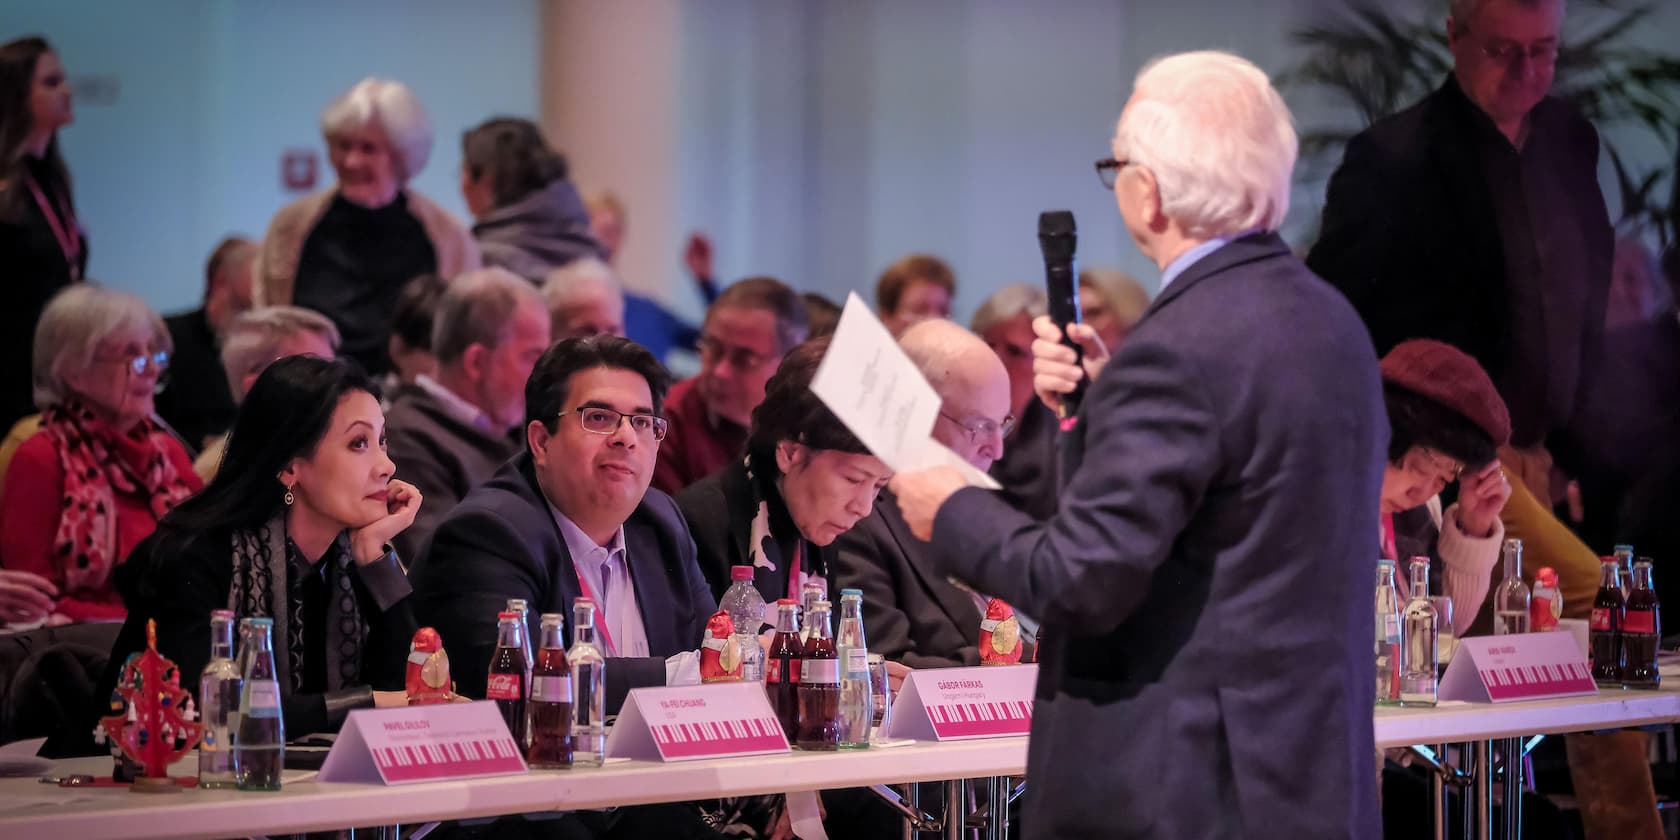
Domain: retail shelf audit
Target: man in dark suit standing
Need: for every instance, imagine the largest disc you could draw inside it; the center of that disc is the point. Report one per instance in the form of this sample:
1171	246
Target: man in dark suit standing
1475	218
1205	588
572	517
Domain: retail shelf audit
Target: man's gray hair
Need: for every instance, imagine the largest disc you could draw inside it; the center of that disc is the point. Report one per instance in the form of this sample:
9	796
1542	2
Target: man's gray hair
1218	139
253	341
69	332
1007	303
392	108
582	282
1463	10
478	308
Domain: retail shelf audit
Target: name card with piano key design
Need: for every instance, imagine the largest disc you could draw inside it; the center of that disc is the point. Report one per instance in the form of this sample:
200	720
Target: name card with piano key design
1523	666
423	744
959	704
688	722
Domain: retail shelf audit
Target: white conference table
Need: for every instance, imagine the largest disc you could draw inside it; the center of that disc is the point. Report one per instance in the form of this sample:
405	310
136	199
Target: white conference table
29	809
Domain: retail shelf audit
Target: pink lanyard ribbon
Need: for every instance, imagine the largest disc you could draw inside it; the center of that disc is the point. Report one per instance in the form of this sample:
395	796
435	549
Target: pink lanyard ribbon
65	231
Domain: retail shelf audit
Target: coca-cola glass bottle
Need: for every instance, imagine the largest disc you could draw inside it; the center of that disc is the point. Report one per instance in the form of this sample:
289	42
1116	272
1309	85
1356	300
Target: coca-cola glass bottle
551	699
1641	631
259	741
1511	601
1387	635
781	668
812	591
819	685
1420	641
1624	567
506	681
856	709
518	605
589	685
1604	634
218	705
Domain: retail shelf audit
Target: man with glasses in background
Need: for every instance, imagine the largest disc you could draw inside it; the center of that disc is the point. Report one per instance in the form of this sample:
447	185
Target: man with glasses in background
748	330
1475	218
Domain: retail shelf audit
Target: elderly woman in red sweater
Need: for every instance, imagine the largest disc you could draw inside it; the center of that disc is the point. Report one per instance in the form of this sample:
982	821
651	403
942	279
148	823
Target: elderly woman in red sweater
101	472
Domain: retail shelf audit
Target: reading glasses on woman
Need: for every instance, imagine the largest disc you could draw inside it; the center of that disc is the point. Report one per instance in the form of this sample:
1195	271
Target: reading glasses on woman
605	421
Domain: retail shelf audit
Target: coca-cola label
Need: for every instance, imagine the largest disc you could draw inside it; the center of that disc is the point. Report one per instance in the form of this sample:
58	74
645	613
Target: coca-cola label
1638	621
504	687
551	689
820	671
773	674
1602	619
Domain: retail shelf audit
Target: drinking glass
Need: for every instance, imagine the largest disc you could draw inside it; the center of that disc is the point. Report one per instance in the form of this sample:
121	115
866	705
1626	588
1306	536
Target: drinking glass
880	694
1444	620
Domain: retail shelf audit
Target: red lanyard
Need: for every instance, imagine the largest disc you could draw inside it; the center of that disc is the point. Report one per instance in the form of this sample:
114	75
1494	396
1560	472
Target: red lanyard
601	611
793	571
69	238
1390	550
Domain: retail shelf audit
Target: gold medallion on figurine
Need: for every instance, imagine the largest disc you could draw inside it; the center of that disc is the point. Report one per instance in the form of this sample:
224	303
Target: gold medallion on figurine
1006	636
435	673
730	656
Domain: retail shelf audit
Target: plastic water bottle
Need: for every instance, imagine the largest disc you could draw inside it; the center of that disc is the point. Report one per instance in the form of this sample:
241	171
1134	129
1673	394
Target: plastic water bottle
857	710
746	609
218	699
259	744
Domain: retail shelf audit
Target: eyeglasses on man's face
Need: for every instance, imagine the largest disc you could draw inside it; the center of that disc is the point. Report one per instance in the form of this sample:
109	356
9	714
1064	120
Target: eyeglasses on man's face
980	429
740	358
1511	53
605	421
1108	169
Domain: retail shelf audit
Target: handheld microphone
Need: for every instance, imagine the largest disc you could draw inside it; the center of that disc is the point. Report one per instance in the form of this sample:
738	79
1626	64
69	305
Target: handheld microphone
1058	239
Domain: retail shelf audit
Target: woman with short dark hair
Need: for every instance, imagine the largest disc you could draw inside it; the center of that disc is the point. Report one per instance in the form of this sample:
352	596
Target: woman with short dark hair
530	217
296	526
42	244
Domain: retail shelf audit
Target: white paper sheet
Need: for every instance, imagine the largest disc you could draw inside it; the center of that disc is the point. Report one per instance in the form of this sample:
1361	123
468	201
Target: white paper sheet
868	382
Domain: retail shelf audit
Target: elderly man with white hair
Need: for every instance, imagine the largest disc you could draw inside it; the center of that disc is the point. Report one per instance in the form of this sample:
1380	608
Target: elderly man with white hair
348	251
448	433
584	298
1205	586
1027	467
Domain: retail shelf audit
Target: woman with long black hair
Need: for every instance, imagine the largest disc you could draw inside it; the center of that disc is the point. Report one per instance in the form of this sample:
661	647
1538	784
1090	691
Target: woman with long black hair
42	246
296	526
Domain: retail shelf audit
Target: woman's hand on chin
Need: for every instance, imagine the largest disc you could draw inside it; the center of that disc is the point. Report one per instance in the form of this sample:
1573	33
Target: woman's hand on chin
370	542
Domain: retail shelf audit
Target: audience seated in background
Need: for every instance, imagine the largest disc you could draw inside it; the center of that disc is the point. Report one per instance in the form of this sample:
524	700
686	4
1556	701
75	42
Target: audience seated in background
805	480
196	402
1027	467
1447	423
584	298
567	518
410	346
914	614
296	528
1111	302
915	288
530	219
251	343
646	320
822	314
449	433
753	324
93	482
348	251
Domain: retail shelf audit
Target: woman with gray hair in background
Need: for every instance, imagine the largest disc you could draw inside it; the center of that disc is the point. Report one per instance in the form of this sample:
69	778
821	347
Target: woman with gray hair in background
101	472
348	251
530	217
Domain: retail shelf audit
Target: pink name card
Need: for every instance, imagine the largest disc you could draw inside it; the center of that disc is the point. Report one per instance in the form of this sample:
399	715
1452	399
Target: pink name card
688	722
441	742
1522	666
957	704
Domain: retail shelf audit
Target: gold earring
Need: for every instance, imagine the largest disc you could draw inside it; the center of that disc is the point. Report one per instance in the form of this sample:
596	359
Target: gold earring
289	497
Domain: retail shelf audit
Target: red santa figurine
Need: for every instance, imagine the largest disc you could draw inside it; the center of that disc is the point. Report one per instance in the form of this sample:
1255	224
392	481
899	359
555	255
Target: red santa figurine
1000	635
428	669
720	654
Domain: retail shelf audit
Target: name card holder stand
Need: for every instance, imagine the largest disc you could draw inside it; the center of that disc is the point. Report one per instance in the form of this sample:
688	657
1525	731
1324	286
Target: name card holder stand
1521	666
689	722
444	742
960	704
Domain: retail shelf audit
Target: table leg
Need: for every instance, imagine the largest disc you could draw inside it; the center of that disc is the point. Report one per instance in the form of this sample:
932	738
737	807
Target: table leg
1514	758
1466	794
912	798
1438	793
956	808
997	824
1484	790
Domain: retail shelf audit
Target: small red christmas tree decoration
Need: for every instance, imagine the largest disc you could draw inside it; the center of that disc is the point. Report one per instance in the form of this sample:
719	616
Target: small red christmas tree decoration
152	715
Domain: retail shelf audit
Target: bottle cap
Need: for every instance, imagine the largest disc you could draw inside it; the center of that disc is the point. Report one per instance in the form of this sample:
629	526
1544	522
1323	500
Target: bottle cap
1602	560
261	622
1546	575
222	614
507	615
851	593
740	573
1384	561
553	618
579	602
1621	548
516	604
